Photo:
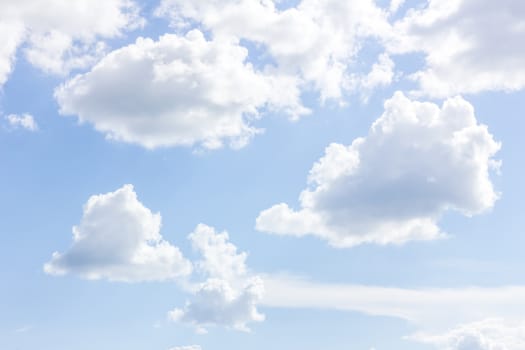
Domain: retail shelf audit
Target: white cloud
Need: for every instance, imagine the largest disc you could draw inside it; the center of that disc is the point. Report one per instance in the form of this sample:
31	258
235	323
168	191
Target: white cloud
490	334
179	90
469	45
216	302
119	239
391	186
220	258
316	40
60	35
431	309
230	295
11	34
25	121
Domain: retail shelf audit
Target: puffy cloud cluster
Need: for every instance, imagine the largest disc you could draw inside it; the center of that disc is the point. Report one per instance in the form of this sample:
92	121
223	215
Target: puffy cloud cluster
59	36
316	40
229	295
491	334
24	121
179	90
418	161
469	45
216	303
119	239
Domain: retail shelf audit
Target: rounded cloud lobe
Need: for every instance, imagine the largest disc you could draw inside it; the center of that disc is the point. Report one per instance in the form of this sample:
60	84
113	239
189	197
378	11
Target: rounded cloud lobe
314	40
119	239
418	161
469	45
230	294
179	90
60	36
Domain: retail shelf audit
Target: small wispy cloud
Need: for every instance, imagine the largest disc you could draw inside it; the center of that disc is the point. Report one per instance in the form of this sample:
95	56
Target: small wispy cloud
23	329
24	121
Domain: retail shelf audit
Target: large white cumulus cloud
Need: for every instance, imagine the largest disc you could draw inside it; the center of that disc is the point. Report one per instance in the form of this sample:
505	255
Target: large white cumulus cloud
392	186
179	90
119	239
469	45
230	294
61	35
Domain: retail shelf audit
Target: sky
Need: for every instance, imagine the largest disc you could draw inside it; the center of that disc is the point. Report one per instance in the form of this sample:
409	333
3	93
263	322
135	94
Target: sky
262	174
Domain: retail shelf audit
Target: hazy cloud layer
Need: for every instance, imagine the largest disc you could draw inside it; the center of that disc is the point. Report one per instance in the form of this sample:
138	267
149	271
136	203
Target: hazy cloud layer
24	121
430	309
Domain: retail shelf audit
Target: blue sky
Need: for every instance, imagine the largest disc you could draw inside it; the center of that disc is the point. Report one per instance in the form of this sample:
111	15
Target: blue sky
364	158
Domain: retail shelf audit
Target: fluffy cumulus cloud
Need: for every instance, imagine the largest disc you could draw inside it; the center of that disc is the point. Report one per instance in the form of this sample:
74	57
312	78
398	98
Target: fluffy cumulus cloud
24	121
119	239
491	334
469	45
229	295
59	36
316	40
417	161
179	90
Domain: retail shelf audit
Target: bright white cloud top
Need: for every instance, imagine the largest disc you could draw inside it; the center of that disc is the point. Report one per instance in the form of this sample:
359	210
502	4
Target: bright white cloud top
469	45
315	40
59	36
229	296
179	90
418	161
119	239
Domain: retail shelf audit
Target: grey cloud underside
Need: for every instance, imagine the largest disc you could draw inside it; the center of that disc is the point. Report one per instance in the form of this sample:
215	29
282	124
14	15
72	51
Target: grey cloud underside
119	239
179	90
417	161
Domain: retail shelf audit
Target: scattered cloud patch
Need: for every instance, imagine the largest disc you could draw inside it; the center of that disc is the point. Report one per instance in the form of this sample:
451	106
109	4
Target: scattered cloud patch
230	294
490	334
60	36
179	90
119	239
470	45
381	74
318	41
24	121
417	161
